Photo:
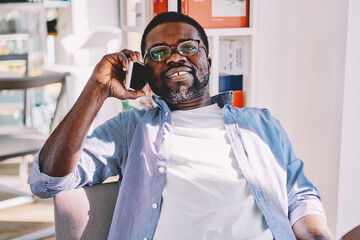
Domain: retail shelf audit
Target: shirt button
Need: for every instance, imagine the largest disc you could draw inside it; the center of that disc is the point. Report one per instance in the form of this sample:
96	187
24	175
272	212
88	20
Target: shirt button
154	205
166	114
145	238
161	169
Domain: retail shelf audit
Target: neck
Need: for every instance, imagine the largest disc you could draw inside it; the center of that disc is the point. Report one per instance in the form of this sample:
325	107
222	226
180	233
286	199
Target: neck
201	101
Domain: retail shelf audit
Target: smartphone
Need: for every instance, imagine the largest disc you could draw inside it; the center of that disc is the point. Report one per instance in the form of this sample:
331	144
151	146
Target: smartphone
137	76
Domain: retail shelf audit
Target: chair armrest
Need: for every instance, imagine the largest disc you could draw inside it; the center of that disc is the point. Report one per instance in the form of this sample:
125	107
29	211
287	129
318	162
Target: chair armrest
85	213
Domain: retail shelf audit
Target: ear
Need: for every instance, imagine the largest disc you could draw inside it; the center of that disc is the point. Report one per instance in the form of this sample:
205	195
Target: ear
209	61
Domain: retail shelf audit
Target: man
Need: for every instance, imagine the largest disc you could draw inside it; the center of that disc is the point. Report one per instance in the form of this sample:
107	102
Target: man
214	171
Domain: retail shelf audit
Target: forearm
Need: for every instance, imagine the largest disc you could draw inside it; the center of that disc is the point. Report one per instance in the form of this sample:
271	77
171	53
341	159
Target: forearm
312	227
61	152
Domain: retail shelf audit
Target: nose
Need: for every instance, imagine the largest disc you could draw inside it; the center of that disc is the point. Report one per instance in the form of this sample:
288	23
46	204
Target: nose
175	57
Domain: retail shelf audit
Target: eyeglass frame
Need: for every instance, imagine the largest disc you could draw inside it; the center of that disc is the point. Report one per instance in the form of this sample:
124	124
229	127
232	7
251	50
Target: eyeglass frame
174	48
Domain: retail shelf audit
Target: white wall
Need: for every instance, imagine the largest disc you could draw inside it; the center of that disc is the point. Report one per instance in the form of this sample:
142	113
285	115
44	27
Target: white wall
301	69
318	100
349	179
276	58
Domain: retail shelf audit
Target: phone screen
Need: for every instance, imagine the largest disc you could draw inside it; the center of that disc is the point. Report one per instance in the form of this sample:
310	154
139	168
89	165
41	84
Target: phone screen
137	76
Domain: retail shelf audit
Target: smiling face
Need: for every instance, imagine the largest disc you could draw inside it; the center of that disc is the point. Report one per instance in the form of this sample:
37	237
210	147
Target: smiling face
177	79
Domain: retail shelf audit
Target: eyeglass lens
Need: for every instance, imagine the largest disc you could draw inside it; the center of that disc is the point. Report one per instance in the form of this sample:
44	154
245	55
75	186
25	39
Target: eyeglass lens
161	53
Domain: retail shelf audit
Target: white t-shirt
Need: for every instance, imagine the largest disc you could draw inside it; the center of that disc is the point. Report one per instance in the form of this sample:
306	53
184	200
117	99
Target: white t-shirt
206	195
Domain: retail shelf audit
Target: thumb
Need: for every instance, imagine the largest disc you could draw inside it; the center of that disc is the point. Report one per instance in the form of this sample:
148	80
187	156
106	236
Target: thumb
134	94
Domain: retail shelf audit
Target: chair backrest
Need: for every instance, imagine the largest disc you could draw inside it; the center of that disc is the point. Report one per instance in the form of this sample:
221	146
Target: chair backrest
85	213
353	234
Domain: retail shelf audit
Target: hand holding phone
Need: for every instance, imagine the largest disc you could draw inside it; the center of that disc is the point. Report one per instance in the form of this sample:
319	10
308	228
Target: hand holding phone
137	76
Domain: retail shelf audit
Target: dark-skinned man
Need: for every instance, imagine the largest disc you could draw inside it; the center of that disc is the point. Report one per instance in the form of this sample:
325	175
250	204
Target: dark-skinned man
193	167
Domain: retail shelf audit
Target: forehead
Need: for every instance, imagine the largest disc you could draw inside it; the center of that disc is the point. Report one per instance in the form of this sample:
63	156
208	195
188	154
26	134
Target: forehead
170	33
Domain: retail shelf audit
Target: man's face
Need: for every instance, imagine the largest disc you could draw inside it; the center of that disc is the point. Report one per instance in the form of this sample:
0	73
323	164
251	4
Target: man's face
178	78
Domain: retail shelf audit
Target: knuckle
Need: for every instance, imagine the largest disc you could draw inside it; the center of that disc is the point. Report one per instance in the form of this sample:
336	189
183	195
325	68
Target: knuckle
105	57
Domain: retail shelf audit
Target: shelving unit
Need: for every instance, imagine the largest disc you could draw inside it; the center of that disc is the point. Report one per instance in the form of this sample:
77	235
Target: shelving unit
57	3
131	33
132	37
24	32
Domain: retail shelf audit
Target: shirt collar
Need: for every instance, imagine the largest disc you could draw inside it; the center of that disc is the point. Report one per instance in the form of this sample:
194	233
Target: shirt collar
221	99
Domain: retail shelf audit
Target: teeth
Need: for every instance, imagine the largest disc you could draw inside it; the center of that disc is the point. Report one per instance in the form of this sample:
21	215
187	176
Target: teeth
177	74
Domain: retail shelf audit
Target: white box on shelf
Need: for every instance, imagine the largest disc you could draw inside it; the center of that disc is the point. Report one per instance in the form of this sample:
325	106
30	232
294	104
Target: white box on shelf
231	57
140	13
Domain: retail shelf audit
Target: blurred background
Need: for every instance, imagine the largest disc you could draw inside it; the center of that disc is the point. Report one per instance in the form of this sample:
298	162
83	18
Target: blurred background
299	59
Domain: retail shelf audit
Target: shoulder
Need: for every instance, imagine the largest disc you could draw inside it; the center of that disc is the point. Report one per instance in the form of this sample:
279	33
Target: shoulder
259	121
133	114
124	120
253	115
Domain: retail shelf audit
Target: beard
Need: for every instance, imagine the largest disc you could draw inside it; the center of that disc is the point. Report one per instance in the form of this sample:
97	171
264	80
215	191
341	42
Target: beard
183	93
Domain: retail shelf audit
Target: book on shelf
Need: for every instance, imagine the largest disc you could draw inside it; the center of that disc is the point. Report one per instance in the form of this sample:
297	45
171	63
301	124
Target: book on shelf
230	82
231	57
233	83
217	13
159	6
140	14
238	99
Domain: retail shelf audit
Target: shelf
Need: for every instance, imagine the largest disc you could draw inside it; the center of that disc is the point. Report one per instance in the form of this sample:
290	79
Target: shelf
9	57
133	29
14	36
223	32
57	4
229	32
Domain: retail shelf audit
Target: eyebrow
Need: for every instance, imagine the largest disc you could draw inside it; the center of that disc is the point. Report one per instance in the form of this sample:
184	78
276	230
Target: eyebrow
163	43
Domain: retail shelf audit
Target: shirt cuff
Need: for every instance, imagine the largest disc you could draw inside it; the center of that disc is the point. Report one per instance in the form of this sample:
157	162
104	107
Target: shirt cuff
307	207
44	185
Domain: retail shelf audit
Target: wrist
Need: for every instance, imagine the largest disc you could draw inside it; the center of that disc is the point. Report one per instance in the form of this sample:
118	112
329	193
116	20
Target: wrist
91	98
96	90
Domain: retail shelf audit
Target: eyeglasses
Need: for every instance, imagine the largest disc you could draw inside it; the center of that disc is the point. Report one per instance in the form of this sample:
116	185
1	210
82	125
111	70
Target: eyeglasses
163	52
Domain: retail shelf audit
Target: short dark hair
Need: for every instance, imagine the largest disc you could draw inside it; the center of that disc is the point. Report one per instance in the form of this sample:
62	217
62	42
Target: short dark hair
173	17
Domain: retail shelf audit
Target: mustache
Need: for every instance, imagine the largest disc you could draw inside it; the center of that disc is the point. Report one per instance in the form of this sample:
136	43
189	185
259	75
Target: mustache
176	65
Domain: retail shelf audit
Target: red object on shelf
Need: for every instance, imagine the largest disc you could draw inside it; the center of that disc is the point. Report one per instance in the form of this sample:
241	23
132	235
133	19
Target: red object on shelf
155	8
238	99
217	14
160	6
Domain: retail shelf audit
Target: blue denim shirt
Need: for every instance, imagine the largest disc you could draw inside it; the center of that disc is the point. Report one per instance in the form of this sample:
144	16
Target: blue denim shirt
135	145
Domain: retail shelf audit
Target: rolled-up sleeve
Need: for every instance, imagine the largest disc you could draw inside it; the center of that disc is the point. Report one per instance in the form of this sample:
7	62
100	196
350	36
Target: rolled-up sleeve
101	158
303	197
43	185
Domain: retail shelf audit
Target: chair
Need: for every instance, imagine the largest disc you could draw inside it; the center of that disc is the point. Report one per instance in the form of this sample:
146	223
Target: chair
85	213
353	234
19	141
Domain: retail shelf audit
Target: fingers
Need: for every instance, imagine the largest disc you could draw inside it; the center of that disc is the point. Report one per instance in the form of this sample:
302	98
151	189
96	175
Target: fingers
112	72
138	56
130	55
124	60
